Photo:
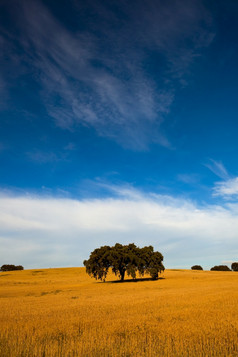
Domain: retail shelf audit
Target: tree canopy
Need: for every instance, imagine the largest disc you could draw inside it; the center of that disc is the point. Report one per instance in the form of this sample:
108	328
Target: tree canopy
9	267
220	268
196	267
234	266
123	259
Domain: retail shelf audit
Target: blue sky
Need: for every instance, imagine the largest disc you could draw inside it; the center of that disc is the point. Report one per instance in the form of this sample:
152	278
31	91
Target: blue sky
118	123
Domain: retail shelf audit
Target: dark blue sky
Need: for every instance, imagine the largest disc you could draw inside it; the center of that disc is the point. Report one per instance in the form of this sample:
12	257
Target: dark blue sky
102	99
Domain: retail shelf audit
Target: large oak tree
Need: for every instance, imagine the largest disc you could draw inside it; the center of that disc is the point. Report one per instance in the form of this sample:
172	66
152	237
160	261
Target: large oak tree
123	259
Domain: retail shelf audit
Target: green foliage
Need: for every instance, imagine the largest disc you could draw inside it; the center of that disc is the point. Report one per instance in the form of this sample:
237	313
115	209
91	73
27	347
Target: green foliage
98	263
221	268
196	267
234	266
123	259
9	267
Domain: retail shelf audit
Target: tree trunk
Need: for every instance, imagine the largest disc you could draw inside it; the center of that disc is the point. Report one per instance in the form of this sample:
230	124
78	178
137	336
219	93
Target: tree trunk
122	274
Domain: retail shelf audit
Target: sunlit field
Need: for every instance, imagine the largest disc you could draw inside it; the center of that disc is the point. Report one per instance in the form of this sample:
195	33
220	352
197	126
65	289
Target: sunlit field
64	312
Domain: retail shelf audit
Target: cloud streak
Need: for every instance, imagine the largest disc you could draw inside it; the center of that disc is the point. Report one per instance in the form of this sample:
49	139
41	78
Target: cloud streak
227	189
218	169
47	231
99	76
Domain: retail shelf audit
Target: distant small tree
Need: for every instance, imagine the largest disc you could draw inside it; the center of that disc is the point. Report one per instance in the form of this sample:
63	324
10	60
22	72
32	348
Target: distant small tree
234	266
220	268
196	267
10	267
19	267
124	259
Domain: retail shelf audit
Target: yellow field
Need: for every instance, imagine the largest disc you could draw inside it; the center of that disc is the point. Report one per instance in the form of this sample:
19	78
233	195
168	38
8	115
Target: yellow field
63	312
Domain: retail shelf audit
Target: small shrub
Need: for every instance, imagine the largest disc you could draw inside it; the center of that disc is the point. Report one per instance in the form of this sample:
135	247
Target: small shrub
196	267
10	267
234	266
220	268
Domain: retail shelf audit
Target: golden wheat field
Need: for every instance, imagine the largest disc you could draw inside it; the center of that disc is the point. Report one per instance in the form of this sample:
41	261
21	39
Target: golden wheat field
64	312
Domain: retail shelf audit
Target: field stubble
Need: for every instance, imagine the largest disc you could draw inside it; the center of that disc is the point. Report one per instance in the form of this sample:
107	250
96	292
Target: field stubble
63	312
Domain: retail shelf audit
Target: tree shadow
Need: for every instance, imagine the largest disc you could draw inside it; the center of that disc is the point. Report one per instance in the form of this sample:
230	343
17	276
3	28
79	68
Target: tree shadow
138	280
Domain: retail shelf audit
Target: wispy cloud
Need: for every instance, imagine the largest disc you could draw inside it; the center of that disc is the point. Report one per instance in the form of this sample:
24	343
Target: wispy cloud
191	179
227	189
99	77
46	231
218	169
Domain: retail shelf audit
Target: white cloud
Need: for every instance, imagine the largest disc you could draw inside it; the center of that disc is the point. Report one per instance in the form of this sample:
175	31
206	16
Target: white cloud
218	169
101	77
93	96
227	189
44	232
